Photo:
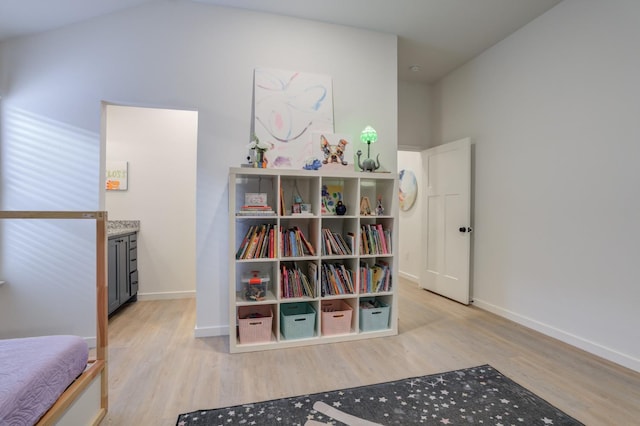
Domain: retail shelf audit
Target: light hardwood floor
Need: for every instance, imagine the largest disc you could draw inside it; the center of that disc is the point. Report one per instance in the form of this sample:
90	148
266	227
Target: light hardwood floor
157	369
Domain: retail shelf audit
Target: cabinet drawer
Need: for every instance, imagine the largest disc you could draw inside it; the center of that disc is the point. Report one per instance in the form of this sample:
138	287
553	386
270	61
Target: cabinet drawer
133	265
133	241
133	281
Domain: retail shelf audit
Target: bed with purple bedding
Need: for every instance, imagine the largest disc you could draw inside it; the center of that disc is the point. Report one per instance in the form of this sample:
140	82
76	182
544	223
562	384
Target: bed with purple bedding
34	372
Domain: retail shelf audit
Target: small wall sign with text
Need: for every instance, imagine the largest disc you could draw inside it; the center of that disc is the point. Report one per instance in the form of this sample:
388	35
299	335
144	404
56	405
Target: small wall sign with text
116	175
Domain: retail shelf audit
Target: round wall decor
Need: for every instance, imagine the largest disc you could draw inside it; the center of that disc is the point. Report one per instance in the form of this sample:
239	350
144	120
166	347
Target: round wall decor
408	189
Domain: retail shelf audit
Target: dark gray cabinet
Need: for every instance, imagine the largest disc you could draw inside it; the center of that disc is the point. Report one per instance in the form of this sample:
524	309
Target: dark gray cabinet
123	270
133	265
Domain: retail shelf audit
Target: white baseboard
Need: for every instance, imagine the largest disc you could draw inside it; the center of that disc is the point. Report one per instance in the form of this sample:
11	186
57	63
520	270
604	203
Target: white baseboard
218	330
167	295
571	339
409	277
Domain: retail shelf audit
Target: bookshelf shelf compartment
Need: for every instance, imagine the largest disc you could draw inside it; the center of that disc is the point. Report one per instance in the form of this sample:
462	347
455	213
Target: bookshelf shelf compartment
255	324
268	238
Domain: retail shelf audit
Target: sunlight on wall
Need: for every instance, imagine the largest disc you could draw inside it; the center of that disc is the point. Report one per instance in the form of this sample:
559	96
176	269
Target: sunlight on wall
50	271
48	265
46	164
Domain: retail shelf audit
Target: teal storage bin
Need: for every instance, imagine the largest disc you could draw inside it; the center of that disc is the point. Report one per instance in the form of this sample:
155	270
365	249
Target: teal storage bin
297	320
374	314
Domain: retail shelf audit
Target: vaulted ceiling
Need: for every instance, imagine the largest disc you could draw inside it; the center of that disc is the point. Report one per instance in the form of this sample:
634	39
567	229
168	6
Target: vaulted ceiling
436	36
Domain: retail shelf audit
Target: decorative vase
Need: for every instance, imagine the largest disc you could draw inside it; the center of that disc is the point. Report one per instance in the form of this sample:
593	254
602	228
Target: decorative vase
341	209
259	158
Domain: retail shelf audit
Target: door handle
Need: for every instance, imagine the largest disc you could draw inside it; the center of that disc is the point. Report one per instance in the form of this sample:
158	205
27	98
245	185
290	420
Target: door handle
465	229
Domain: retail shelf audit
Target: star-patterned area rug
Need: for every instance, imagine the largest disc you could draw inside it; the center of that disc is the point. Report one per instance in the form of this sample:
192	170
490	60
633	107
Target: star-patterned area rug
473	396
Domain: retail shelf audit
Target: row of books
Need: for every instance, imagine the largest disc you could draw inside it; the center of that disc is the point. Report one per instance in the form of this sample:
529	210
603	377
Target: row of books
261	210
336	279
334	244
374	239
294	243
376	278
294	283
258	242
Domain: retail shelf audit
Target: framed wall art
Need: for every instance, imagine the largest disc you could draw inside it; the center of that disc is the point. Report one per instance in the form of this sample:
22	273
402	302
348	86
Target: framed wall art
117	173
407	189
288	107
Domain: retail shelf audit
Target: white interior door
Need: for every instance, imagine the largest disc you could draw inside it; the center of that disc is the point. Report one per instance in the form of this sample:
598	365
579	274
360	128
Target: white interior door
447	239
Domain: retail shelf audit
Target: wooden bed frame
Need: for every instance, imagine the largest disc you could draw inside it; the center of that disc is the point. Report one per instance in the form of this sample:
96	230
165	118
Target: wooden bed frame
85	401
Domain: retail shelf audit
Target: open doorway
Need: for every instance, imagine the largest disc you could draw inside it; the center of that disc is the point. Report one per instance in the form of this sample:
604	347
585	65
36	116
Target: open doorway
159	149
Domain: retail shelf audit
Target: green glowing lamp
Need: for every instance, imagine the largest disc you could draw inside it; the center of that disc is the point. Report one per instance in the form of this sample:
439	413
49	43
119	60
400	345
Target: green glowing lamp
369	136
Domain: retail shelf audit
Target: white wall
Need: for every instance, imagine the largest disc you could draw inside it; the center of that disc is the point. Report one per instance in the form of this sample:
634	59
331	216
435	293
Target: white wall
160	146
49	265
409	241
185	55
415	110
553	111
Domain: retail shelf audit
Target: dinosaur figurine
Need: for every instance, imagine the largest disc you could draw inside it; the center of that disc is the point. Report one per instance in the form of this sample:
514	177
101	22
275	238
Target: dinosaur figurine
368	165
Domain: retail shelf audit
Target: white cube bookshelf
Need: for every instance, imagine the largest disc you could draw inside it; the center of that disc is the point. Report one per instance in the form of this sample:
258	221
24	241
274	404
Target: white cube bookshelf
257	248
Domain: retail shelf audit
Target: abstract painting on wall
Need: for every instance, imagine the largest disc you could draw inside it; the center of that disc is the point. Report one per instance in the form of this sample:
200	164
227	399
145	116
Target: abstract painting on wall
288	107
407	189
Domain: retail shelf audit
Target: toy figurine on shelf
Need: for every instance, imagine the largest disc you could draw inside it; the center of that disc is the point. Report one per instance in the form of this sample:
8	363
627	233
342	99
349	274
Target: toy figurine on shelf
365	206
379	208
312	164
296	206
341	209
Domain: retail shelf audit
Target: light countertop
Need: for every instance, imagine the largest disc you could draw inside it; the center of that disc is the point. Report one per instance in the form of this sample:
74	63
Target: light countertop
122	227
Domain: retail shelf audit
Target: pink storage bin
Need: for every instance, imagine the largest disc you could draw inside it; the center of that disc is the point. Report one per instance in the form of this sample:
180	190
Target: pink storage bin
336	317
254	323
